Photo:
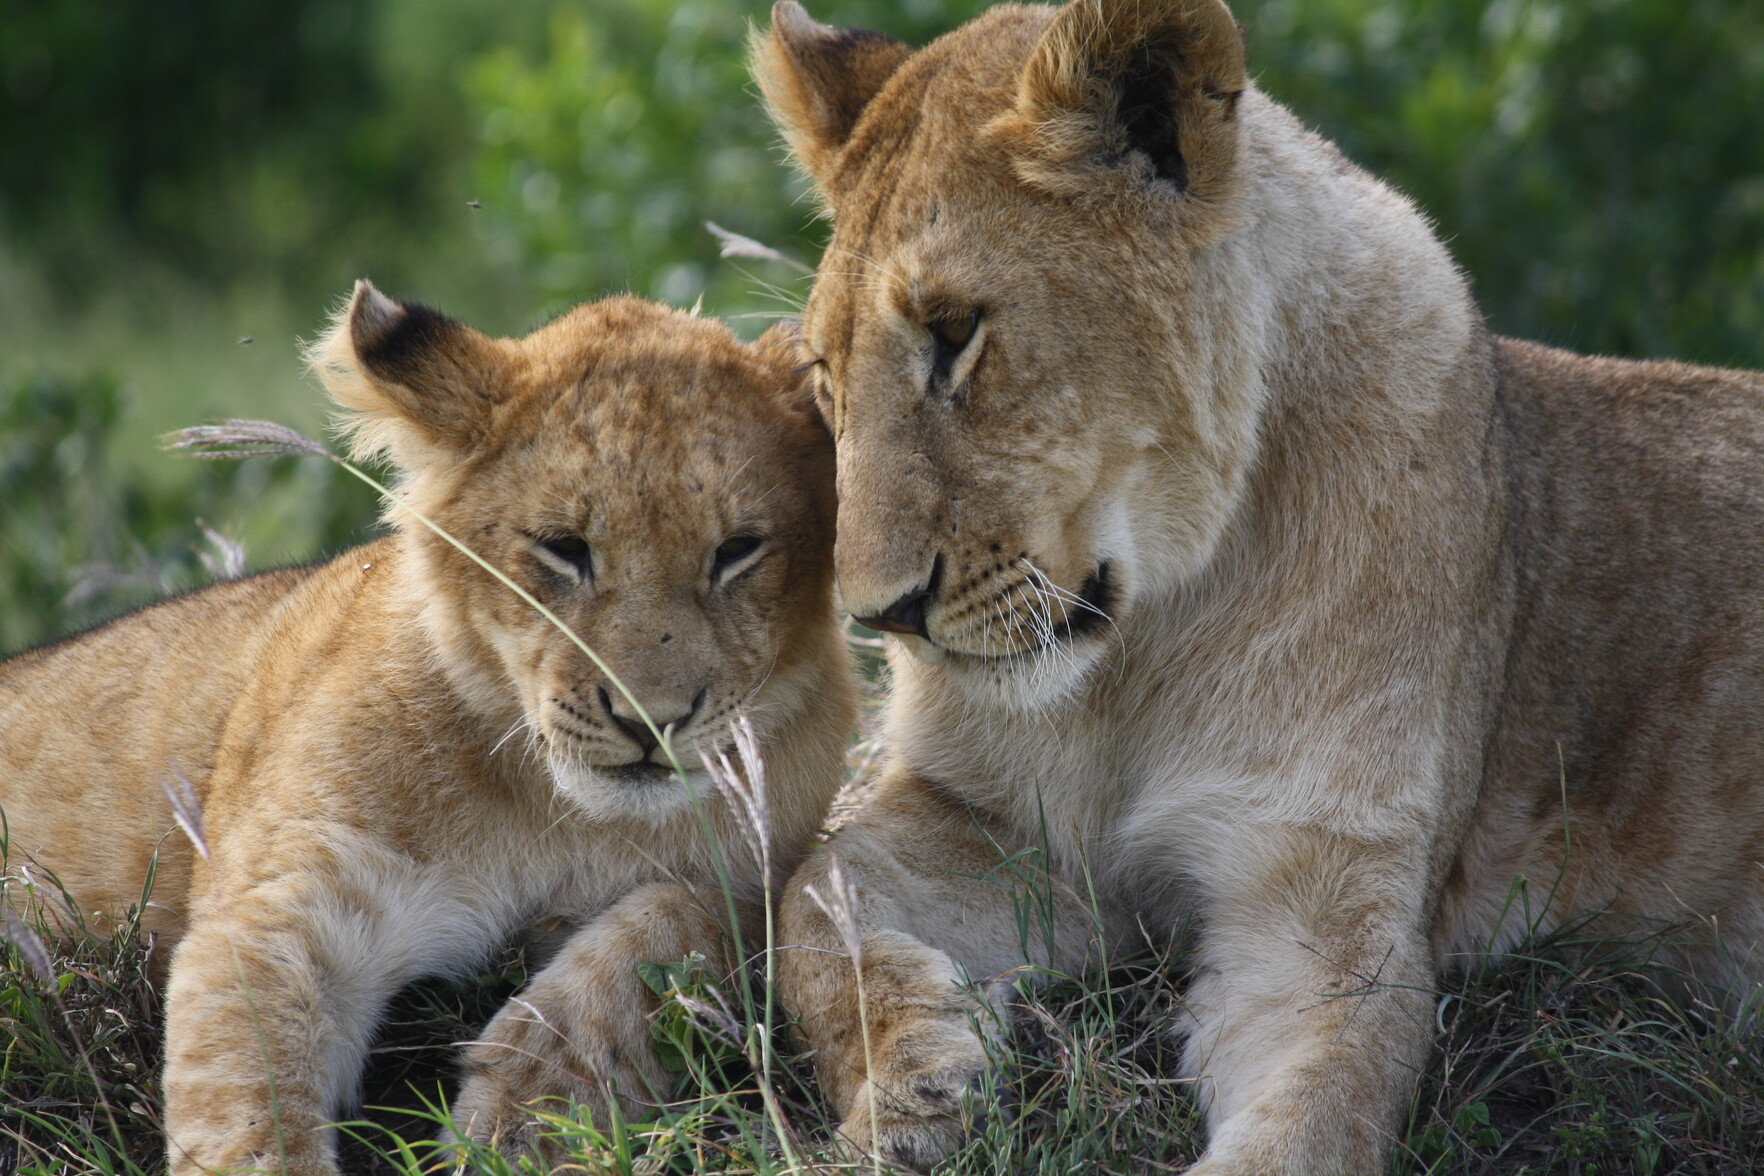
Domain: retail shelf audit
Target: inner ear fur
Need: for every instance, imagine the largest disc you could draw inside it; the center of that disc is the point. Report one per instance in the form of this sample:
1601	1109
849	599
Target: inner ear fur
1132	83
817	80
409	377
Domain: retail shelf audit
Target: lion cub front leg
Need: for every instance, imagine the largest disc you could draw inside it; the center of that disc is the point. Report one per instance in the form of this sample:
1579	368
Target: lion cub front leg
1311	1007
266	1032
898	1041
580	1030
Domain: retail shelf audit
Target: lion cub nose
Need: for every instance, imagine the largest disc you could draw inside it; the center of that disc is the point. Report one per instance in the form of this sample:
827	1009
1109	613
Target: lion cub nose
625	716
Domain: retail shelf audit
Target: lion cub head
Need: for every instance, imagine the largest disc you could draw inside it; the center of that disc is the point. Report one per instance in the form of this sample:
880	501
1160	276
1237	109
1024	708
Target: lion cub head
1043	396
664	491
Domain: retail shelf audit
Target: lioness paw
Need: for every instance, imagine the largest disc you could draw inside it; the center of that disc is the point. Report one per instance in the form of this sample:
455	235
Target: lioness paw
916	1139
928	1096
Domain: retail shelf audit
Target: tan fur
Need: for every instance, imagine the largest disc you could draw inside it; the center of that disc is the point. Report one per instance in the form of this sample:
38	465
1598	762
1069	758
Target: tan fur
1397	612
400	764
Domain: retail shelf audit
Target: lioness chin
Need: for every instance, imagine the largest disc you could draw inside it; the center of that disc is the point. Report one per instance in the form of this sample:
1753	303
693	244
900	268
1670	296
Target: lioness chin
1250	580
399	763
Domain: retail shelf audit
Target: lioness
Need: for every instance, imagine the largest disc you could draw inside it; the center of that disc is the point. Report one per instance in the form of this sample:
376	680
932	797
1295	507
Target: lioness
1247	575
399	763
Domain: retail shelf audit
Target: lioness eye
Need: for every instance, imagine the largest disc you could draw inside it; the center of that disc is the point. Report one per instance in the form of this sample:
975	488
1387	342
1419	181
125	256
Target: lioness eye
572	550
732	551
954	331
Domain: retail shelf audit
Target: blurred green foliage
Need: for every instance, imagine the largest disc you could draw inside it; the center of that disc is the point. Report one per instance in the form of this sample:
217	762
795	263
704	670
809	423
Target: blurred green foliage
81	542
602	155
1596	165
174	178
288	138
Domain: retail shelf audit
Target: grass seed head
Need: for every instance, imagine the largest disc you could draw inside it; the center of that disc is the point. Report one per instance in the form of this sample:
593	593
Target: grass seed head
186	809
30	948
242	438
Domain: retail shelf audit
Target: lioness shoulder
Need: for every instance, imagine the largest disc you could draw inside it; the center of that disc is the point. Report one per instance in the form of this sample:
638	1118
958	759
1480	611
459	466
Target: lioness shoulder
395	761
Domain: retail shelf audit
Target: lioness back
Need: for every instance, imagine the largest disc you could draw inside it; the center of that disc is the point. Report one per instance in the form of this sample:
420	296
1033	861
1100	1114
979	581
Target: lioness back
1623	718
396	760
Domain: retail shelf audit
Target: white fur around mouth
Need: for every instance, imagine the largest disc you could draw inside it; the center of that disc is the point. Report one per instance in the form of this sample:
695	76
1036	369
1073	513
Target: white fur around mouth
929	653
923	648
654	792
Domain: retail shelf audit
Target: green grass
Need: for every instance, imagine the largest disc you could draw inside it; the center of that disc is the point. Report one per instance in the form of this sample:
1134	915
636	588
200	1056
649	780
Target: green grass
1570	1057
79	1079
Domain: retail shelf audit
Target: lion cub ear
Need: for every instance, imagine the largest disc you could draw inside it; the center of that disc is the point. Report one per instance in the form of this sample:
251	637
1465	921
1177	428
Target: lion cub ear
1150	85
414	381
781	355
817	80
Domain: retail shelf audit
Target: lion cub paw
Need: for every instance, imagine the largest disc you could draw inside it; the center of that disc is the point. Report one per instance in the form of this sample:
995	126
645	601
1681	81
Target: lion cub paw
523	1064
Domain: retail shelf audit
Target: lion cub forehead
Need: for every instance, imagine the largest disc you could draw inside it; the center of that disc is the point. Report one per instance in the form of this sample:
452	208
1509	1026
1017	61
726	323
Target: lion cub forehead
622	337
631	370
652	395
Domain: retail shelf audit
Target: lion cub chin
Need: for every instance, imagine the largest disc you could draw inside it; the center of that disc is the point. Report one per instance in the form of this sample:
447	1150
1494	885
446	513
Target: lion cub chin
399	763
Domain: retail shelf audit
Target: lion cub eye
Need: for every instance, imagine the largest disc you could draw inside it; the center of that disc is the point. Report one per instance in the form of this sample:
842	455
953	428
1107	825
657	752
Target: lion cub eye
731	552
571	551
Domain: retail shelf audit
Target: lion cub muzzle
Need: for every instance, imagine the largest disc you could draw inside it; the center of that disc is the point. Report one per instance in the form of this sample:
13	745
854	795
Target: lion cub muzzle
618	744
666	716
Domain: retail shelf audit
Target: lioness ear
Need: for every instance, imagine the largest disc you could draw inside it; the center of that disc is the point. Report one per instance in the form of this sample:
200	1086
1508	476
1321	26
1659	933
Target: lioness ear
1147	84
412	378
817	80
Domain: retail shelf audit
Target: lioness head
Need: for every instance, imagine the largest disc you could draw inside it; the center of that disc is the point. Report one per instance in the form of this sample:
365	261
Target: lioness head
1024	212
661	489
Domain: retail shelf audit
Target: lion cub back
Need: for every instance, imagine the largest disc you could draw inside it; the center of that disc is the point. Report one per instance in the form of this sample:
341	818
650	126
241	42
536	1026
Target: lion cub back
136	699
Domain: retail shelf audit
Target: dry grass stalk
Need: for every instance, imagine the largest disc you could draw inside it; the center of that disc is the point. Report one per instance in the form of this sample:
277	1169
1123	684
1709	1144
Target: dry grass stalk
736	245
186	809
840	905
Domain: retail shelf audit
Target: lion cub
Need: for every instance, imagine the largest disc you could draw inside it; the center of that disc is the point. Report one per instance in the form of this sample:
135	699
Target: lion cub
399	763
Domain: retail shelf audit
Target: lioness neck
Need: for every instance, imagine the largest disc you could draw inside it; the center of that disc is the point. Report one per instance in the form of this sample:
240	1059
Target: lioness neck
1361	295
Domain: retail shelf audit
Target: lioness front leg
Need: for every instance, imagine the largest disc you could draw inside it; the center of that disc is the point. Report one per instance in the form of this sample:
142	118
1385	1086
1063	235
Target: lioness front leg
580	1030
1311	1005
266	1032
935	906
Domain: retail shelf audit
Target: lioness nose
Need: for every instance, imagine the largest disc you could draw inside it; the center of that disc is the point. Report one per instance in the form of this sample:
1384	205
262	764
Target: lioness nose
624	715
906	615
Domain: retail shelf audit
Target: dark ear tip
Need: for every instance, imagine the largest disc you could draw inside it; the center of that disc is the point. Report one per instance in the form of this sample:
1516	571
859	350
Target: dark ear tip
372	315
794	27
